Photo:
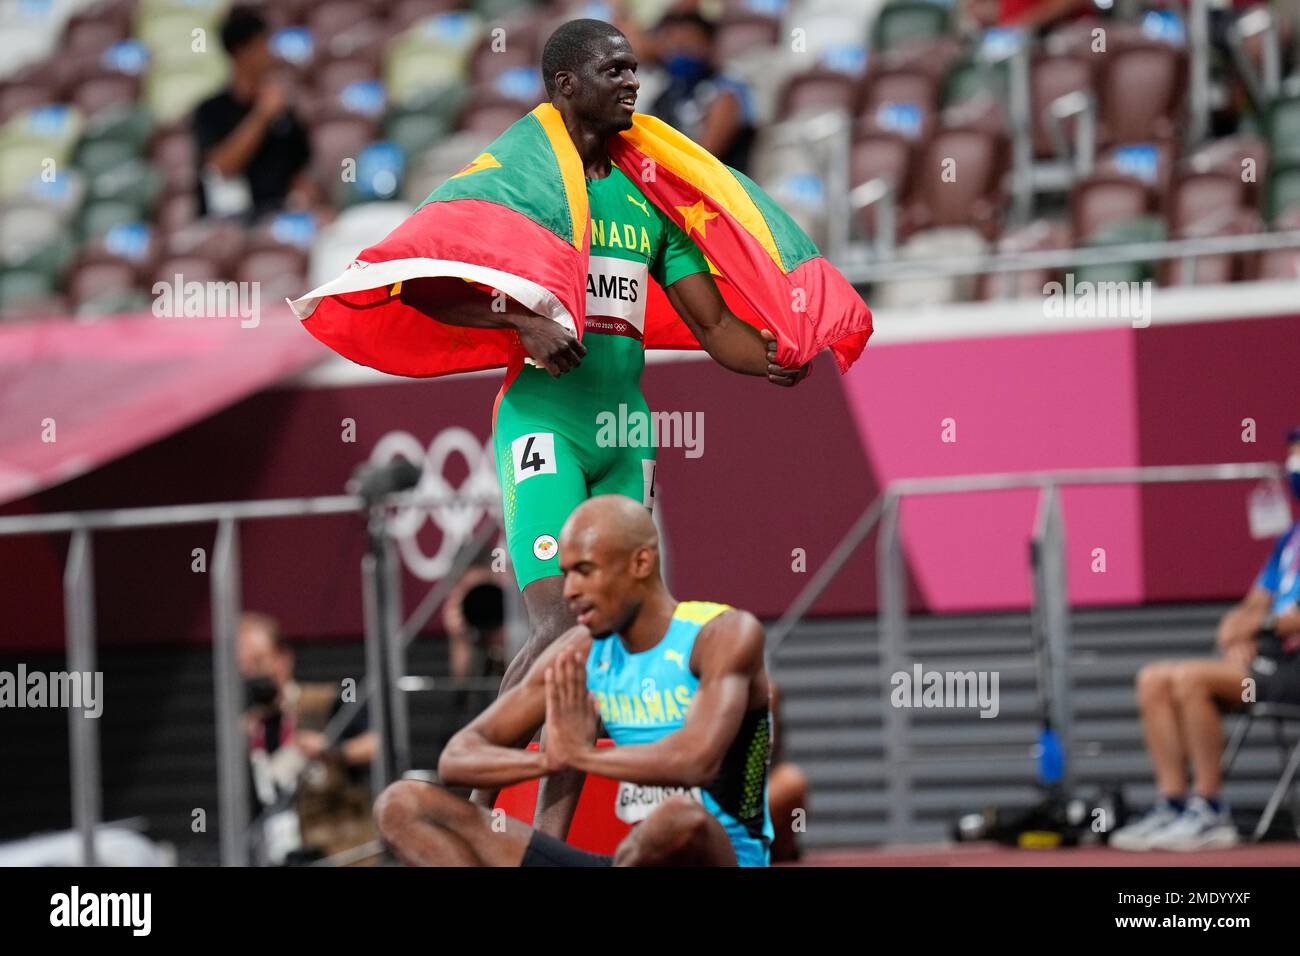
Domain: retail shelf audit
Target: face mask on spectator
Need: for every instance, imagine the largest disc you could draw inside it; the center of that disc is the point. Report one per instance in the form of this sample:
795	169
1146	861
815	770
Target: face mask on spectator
1293	472
686	69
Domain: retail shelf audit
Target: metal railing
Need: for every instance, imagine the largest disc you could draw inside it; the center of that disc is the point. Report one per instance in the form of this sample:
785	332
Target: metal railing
1049	602
387	637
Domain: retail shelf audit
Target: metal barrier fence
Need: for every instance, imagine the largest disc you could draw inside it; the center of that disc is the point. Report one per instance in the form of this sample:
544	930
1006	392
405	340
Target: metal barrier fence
1049	604
387	637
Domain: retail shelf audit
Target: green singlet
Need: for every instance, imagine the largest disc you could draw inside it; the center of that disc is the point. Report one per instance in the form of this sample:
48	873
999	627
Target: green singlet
552	452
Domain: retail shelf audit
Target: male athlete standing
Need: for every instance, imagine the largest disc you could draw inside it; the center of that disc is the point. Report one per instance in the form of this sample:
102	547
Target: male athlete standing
679	686
545	418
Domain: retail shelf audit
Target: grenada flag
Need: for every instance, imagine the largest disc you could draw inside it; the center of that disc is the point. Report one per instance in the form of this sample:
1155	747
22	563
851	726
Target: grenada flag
515	220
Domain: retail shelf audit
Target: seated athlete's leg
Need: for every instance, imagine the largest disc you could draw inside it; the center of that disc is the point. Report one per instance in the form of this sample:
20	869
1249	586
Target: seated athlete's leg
679	833
428	825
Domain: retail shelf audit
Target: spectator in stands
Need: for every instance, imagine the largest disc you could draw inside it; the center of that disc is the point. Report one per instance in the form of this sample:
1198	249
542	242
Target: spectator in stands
253	152
313	794
1181	701
713	109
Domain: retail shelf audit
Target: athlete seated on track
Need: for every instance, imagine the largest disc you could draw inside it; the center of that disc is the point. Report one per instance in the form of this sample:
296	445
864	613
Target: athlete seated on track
680	687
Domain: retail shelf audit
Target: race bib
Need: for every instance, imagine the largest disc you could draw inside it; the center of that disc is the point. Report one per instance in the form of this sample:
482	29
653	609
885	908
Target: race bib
616	295
634	802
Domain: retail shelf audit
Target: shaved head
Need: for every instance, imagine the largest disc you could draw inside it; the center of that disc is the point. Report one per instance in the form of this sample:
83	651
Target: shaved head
609	553
620	523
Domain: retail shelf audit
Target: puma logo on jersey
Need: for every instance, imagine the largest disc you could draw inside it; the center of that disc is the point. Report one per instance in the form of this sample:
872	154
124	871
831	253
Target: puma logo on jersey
671	655
638	202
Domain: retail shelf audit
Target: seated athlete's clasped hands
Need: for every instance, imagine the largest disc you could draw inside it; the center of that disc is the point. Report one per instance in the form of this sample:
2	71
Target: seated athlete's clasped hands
572	712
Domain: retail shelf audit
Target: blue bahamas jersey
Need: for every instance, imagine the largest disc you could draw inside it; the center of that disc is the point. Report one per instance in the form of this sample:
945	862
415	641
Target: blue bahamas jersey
646	696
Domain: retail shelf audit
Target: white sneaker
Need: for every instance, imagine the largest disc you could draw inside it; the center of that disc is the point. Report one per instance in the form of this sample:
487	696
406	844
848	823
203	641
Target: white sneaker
1199	828
1138	834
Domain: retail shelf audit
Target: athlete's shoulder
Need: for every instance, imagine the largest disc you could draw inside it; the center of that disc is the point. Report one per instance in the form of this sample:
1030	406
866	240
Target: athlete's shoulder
731	638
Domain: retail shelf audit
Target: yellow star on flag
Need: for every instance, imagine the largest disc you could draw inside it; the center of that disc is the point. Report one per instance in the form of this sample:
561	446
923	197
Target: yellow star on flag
695	217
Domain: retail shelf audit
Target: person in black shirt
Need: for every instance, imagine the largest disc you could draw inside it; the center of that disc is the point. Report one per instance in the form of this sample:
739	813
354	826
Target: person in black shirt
248	132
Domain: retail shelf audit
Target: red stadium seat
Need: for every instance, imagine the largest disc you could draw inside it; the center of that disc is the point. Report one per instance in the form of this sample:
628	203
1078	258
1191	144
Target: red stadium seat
1104	199
1052	77
815	91
596	828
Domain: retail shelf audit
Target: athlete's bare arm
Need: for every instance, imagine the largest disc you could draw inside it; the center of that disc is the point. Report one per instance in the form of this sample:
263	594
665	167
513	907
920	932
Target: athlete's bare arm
481	753
457	302
729	658
731	342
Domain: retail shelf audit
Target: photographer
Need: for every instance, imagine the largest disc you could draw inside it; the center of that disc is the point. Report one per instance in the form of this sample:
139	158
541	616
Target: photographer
313	797
1181	702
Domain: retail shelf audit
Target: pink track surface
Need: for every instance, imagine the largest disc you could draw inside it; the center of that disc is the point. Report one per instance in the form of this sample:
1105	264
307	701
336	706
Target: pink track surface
992	854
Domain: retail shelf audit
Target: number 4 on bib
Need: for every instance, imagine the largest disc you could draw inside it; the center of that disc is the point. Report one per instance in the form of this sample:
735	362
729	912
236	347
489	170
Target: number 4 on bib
534	454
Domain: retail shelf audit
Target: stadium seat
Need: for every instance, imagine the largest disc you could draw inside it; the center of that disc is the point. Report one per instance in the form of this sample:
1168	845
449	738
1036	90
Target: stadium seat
447	156
128	123
1050	78
900	22
925	246
1103	199
1118	232
1244	156
1160	72
279	272
489	60
97	218
744	32
192	268
1282	192
25	227
21	291
173	153
1282	127
176	211
902	101
221	240
104	91
172	90
816	91
958	182
886	156
99	277
1037	236
334	141
434	51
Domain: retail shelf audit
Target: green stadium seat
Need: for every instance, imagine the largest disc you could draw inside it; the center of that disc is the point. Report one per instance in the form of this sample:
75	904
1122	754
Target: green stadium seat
97	217
98	156
135	182
127	124
903	21
22	287
1136	229
1282	192
1282	128
172	90
432	53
